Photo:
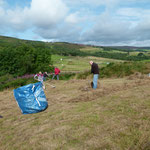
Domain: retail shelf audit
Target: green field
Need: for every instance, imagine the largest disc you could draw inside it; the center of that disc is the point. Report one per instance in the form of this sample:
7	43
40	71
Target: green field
92	50
70	63
99	49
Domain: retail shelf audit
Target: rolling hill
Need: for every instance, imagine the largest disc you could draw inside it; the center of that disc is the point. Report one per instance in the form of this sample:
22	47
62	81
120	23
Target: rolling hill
14	41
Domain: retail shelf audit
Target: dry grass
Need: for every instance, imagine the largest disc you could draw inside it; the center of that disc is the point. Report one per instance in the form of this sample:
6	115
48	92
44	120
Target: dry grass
116	116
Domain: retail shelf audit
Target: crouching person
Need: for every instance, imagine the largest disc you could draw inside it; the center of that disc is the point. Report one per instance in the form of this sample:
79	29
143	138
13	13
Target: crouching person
40	77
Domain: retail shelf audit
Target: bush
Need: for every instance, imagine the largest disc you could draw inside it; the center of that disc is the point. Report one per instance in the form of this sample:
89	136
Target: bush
66	76
9	81
122	69
83	75
119	70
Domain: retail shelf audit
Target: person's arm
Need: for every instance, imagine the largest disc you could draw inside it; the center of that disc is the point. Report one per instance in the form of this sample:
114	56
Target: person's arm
35	77
92	71
45	74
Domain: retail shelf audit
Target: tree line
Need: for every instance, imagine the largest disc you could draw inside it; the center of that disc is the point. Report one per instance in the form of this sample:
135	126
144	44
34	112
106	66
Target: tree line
24	59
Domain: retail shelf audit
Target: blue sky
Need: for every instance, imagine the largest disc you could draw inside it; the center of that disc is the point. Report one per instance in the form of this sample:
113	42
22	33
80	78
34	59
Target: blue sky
98	22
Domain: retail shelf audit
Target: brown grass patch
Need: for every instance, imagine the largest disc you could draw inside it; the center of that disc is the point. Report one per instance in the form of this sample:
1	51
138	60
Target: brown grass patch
137	75
89	94
114	116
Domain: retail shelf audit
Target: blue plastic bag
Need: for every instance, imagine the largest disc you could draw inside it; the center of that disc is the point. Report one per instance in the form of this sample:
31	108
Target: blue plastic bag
31	98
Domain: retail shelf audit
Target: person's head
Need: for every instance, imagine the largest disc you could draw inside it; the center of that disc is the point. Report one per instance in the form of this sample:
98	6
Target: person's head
40	72
91	62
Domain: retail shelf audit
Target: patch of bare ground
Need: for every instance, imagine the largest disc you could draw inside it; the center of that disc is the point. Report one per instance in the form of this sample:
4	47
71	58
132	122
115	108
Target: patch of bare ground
88	94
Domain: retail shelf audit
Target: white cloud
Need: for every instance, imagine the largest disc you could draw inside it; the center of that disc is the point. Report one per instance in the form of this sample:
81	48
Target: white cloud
129	12
41	13
17	19
88	21
123	27
133	12
67	32
107	30
47	12
72	18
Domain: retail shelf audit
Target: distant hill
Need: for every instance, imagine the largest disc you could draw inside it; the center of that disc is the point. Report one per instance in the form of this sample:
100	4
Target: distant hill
74	49
5	41
130	47
15	41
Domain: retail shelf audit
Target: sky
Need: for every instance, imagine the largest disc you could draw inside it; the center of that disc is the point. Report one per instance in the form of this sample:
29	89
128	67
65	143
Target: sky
96	22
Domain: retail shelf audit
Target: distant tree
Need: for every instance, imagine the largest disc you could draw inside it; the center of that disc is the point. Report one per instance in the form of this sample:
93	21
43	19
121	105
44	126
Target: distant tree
140	55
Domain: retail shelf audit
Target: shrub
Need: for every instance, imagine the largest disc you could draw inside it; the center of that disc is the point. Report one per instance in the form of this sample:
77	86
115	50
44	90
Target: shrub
119	70
83	75
66	76
8	81
122	69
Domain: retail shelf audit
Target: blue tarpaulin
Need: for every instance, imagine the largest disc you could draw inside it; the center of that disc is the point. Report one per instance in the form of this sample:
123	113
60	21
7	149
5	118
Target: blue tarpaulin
31	98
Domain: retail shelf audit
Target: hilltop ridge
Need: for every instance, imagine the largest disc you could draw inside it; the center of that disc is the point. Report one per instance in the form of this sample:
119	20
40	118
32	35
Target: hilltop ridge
11	40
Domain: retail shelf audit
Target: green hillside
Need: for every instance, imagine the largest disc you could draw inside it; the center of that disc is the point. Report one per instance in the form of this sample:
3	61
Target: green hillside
23	57
115	116
10	41
67	49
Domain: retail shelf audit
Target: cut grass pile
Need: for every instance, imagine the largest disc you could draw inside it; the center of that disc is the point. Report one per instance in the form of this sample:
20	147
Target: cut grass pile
116	116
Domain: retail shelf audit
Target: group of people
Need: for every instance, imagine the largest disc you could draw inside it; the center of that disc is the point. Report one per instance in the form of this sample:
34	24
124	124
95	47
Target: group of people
94	70
41	77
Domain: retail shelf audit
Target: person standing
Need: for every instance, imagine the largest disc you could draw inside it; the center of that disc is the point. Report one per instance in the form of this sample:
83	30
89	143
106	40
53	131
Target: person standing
95	71
57	71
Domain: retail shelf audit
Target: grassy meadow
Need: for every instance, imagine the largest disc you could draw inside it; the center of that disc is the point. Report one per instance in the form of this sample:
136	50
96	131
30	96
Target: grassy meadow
81	64
91	49
116	116
71	63
100	49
